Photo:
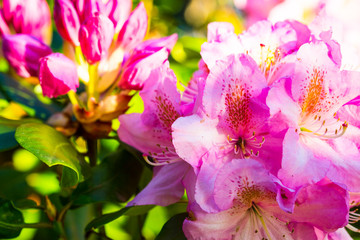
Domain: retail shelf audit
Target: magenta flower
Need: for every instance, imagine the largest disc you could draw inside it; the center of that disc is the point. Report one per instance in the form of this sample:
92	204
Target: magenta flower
233	123
23	53
29	17
315	145
150	133
67	21
54	80
254	205
95	36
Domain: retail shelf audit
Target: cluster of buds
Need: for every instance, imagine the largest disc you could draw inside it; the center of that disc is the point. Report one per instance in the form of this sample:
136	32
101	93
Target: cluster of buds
104	49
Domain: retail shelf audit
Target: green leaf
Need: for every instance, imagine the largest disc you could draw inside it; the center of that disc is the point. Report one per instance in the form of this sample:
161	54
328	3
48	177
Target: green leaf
128	211
173	228
7	131
52	148
10	218
16	187
14	91
115	179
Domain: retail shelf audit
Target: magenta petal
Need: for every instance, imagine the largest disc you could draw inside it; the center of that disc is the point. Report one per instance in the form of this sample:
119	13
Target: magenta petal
67	21
23	53
95	36
134	29
118	11
219	31
166	186
4	28
93	7
54	80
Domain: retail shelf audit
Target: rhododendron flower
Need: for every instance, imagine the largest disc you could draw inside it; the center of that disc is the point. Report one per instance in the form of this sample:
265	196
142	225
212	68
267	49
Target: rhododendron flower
23	53
150	133
232	124
315	144
269	45
28	17
54	80
254	205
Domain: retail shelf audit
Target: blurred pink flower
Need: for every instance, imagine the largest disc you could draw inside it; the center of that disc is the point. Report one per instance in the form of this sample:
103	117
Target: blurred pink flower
28	17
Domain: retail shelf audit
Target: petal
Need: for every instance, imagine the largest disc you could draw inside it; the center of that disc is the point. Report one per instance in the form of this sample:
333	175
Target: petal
118	11
67	21
95	36
54	80
134	29
194	136
166	186
299	164
219	31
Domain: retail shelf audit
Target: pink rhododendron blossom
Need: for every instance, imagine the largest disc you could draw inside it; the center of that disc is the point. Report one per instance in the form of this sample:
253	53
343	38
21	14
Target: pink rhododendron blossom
29	17
150	132
248	200
23	53
54	80
232	124
95	36
315	144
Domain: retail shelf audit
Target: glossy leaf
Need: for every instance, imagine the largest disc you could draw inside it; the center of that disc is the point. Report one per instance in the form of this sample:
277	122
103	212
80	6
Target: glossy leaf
128	211
173	228
52	148
10	219
7	132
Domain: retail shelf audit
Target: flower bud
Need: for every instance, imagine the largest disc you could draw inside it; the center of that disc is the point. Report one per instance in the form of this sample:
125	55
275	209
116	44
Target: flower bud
92	7
57	75
134	29
23	53
67	21
31	17
95	37
118	12
147	56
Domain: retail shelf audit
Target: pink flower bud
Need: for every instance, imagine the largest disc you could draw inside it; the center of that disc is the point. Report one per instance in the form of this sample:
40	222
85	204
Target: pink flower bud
31	17
57	75
134	29
95	37
67	21
147	56
118	12
23	53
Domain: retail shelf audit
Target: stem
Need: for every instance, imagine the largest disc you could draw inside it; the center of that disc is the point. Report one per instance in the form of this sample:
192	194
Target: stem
92	151
74	99
93	77
63	212
79	57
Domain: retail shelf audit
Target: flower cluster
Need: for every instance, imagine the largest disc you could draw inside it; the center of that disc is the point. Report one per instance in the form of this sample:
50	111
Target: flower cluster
265	138
104	48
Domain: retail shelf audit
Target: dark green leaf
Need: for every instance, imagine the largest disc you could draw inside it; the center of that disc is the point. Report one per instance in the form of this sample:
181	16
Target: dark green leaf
173	228
10	218
115	179
128	211
25	204
13	184
14	91
7	132
52	148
